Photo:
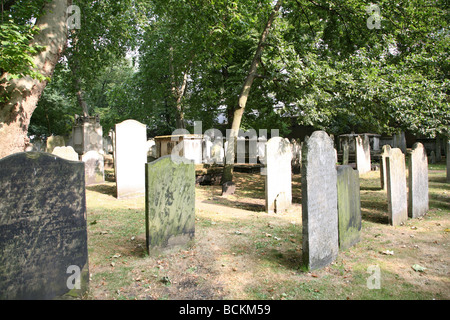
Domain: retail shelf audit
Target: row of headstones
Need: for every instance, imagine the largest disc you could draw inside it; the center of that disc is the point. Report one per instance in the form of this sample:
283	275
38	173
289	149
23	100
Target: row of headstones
94	161
331	208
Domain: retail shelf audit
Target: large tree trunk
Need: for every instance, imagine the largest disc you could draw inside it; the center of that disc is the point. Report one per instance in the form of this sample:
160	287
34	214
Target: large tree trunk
24	93
243	97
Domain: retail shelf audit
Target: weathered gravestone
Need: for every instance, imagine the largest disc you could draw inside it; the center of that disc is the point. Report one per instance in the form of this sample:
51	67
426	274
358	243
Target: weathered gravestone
296	163
345	151
169	202
67	153
53	142
94	167
130	158
418	182
363	162
43	235
396	187
349	206
319	201
278	175
383	176
433	157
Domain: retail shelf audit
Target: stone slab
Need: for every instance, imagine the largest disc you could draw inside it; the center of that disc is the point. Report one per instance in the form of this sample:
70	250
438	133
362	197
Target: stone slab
319	202
94	167
130	158
396	187
67	153
42	227
349	206
278	175
418	182
169	203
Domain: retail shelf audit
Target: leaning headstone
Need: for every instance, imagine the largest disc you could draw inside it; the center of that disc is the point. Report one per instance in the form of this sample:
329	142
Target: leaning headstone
383	177
94	167
43	233
363	163
396	187
53	142
67	153
349	206
319	201
278	175
169	203
130	158
418	182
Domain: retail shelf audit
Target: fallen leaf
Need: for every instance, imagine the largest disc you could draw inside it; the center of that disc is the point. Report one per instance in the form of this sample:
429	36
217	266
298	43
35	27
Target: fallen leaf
418	268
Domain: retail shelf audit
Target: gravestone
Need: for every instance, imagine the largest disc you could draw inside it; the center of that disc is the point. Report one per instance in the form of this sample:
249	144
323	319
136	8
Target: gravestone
130	158
383	176
418	182
396	187
278	175
363	163
53	142
433	157
319	201
94	165
67	153
87	134
169	202
345	151
43	234
438	154
349	206
296	156
448	161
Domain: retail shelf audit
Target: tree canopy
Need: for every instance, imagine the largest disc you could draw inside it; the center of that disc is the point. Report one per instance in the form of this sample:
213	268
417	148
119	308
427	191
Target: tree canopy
333	65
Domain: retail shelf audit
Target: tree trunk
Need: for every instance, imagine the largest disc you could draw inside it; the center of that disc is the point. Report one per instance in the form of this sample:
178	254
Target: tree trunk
243	97
24	93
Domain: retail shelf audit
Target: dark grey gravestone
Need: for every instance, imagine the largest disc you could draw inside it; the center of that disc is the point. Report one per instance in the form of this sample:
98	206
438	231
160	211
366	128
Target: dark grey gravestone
418	182
396	187
319	201
169	203
228	188
349	206
43	235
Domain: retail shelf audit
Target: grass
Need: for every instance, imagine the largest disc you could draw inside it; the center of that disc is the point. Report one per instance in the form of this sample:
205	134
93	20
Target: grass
241	252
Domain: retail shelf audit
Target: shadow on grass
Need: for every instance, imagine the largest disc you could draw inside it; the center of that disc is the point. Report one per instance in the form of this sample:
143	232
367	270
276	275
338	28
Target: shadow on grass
109	190
237	204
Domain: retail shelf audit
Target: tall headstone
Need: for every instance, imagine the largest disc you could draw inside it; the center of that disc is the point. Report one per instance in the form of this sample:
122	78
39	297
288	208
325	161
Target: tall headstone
396	187
66	153
319	201
418	182
169	202
53	142
349	206
130	158
94	167
43	233
363	162
345	151
296	162
383	176
278	175
438	149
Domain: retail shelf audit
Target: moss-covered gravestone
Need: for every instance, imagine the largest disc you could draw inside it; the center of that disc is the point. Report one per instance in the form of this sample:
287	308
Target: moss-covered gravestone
169	203
349	206
43	234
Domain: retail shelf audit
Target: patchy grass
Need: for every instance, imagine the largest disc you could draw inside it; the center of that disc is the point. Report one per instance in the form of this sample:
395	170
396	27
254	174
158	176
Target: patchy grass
241	252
